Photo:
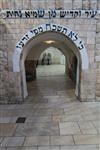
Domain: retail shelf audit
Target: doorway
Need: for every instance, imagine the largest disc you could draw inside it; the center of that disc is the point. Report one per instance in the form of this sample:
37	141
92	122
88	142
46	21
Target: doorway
49	35
51	78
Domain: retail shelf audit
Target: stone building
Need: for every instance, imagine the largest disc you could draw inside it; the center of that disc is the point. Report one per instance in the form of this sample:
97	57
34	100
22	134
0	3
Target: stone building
72	26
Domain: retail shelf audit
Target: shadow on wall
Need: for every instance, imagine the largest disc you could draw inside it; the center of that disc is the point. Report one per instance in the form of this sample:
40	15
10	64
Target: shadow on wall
72	68
7	77
30	68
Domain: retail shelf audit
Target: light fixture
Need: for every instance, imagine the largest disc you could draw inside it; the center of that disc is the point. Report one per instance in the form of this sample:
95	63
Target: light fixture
49	42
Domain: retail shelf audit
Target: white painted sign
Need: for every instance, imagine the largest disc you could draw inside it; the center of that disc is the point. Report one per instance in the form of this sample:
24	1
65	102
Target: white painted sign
54	28
51	27
48	14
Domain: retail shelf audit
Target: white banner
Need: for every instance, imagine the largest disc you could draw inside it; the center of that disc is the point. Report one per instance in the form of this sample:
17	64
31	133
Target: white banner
48	14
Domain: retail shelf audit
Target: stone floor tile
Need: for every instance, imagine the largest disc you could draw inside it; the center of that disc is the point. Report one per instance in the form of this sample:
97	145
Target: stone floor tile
97	125
87	128
24	106
72	111
2	148
1	138
12	141
67	128
56	100
7	107
7	129
74	117
42	112
8	119
37	141
34	129
15	113
61	140
98	147
49	148
80	147
22	148
52	97
87	139
56	118
91	117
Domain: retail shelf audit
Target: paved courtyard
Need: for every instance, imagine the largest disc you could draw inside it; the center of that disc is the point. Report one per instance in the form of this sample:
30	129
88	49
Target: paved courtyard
52	118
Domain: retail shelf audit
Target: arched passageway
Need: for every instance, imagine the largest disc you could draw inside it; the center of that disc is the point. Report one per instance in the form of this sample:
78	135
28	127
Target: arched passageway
42	37
50	78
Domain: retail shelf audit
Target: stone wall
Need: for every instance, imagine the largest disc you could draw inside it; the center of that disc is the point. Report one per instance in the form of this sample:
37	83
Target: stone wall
66	4
12	30
10	89
97	54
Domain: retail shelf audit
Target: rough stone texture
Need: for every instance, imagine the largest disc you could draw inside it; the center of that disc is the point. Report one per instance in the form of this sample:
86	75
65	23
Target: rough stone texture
12	30
12	141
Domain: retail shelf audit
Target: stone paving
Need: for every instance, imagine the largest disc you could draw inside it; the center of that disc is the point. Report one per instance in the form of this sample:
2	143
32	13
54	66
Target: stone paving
55	119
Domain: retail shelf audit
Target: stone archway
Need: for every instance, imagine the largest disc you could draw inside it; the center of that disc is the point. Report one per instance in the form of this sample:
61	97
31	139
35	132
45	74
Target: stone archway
26	43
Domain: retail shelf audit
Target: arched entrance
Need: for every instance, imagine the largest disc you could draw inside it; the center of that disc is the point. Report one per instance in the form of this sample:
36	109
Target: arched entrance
62	38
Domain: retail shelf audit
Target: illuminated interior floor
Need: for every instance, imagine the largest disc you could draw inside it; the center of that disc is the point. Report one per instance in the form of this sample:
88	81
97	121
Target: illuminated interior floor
52	81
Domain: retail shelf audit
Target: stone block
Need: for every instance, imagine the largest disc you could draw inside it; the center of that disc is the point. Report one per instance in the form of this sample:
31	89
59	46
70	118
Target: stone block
19	4
4	4
98	93
93	4
98	5
87	139
72	117
26	4
87	128
97	46
37	140
85	27
97	40
3	148
79	147
49	148
34	4
68	4
83	97
82	34
98	98
2	29
98	65
21	148
1	4
59	4
37	129
85	4
91	34
12	5
77	4
69	128
98	86
98	27
47	5
7	129
61	140
12	141
98	79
